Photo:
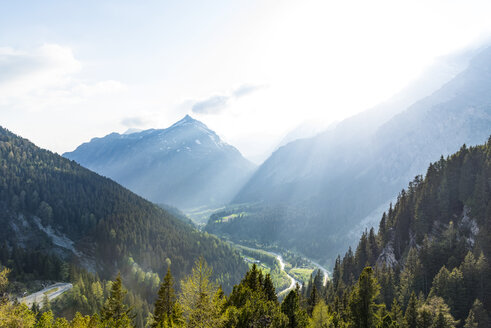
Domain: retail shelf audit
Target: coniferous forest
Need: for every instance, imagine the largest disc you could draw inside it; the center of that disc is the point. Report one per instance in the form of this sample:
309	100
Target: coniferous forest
245	164
426	266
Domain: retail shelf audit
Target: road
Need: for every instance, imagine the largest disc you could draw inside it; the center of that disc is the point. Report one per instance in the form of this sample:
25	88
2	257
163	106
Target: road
279	258
52	292
293	282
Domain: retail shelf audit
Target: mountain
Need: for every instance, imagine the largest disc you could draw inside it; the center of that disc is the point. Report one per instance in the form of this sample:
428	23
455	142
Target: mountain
186	165
52	208
434	242
339	179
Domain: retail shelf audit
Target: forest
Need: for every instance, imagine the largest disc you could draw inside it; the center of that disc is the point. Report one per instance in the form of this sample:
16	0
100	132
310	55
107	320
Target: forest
100	227
427	266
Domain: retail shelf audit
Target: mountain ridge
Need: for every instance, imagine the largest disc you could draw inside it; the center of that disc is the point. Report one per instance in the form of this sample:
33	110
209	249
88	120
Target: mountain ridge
367	164
185	165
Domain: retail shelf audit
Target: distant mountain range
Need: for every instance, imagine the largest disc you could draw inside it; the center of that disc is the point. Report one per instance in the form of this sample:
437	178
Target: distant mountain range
186	165
341	177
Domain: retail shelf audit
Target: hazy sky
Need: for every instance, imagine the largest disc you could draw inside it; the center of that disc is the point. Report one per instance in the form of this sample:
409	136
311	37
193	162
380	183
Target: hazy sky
251	70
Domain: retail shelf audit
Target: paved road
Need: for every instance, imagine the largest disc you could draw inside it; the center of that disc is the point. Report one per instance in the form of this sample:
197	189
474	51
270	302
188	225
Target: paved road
293	282
279	258
38	297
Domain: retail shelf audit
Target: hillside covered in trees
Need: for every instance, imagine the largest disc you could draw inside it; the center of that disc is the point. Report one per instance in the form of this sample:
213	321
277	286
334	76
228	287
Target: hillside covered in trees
54	212
426	267
339	182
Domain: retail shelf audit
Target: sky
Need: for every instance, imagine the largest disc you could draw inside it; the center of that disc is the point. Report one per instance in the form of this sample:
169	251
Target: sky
251	70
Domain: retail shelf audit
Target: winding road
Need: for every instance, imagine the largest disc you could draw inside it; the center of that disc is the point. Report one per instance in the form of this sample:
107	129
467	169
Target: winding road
52	292
293	282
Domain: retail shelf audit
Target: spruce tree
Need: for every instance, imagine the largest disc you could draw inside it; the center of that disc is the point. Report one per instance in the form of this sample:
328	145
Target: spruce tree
269	290
411	316
396	313
297	317
165	305
477	317
362	300
425	317
114	311
312	300
45	320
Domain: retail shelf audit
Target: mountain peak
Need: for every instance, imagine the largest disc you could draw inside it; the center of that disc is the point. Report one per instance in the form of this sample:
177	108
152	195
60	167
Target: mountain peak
187	120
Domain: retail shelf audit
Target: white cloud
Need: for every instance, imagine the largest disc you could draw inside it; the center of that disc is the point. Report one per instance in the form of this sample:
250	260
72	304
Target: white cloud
216	104
45	76
211	105
134	121
246	89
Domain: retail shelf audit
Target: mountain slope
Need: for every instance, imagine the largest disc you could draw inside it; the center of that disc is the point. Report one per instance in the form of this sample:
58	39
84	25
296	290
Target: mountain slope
54	206
185	165
435	240
365	160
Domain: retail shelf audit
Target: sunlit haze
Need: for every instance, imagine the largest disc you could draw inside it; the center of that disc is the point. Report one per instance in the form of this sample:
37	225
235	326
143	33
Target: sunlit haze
250	70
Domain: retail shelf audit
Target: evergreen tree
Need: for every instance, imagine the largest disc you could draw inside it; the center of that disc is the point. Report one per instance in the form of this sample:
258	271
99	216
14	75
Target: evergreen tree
165	306
362	304
477	317
396	313
312	300
61	323
114	311
297	317
321	318
411	315
45	320
269	289
425	317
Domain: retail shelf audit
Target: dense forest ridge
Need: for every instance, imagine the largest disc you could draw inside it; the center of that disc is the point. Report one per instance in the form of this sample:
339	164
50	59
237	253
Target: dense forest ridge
60	220
426	267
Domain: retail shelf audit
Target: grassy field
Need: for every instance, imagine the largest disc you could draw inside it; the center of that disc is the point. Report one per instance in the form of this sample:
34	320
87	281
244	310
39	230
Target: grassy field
201	215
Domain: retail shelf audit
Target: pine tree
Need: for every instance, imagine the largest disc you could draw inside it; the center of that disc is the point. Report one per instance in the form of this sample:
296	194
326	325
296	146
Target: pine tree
269	289
297	317
61	323
425	317
477	317
441	322
321	318
396	313
165	305
312	300
114	311
362	300
411	316
45	320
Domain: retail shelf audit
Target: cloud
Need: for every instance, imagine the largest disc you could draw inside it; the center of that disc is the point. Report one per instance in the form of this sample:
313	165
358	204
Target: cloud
131	122
216	104
47	65
46	76
210	105
245	90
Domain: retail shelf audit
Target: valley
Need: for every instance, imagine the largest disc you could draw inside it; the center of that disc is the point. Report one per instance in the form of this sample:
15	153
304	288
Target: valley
248	164
284	275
